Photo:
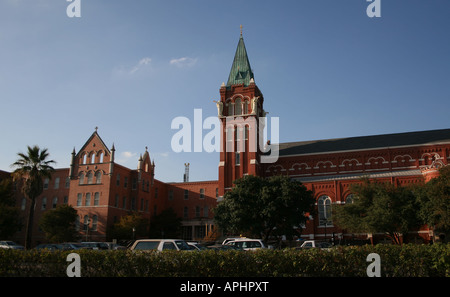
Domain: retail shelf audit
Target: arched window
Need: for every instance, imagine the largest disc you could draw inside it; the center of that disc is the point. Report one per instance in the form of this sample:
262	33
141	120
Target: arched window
92	158
238	106
94	223
245	107
44	203
98	177
81	178
101	157
84	158
349	199
55	202
96	198
90	178
324	209
88	199
79	198
230	108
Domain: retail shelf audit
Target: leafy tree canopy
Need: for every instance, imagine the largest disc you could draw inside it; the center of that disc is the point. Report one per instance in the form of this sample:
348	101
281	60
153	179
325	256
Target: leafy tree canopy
165	225
10	221
434	199
123	230
379	208
264	207
59	224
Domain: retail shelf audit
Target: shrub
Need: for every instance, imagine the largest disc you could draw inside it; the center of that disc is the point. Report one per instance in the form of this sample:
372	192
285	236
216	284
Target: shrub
396	261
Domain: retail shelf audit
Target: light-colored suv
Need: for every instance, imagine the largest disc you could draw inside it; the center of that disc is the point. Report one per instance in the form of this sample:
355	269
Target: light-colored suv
160	245
247	244
7	244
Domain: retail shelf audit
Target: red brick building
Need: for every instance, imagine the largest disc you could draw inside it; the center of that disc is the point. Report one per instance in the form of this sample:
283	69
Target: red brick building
103	191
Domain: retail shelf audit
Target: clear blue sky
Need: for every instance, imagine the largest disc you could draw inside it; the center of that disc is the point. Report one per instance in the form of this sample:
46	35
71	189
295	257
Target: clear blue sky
325	68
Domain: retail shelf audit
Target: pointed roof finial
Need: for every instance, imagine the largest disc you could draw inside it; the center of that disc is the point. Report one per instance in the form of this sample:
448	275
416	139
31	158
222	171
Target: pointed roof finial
241	30
96	128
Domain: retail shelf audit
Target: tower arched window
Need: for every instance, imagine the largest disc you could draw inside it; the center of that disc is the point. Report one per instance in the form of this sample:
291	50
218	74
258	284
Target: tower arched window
245	107
230	109
230	133
324	209
238	106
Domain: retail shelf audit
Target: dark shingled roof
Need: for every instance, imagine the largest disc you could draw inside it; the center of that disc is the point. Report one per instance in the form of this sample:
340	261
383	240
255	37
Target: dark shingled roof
365	142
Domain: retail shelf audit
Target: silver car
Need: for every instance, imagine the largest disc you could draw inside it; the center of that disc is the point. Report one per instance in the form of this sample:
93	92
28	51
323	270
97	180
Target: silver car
160	245
7	244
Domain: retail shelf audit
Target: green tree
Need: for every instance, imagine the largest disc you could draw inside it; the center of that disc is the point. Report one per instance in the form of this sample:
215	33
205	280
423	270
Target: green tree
59	224
165	225
265	207
130	227
379	208
32	168
433	198
10	221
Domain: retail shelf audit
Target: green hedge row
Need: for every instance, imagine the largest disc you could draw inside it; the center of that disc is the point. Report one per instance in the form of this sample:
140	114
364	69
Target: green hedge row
396	261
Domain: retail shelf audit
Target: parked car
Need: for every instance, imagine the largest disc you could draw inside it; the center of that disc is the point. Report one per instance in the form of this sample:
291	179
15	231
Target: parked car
160	245
73	246
115	246
227	240
96	245
223	247
247	244
50	246
7	244
308	244
196	246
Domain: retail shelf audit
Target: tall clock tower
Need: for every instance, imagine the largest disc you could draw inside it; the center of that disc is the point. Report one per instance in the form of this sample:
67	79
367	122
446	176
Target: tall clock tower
239	110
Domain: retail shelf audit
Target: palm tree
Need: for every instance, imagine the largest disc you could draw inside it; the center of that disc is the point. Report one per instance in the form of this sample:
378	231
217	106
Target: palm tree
32	168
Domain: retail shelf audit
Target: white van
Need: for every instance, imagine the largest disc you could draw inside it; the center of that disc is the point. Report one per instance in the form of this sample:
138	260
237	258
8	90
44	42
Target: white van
160	245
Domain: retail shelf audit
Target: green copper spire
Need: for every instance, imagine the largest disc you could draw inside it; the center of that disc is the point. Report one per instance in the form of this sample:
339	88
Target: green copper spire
241	72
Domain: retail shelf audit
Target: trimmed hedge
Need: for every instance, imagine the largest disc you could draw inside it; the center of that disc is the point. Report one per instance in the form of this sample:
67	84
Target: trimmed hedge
396	261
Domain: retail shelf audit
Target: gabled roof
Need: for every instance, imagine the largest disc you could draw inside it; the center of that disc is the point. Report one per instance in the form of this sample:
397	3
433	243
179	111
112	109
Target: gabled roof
365	142
241	72
95	134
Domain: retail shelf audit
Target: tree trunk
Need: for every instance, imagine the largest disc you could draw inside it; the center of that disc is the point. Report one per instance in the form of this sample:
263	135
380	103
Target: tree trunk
29	230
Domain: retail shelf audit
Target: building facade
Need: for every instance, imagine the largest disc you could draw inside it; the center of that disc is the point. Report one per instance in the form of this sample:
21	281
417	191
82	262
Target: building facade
103	191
